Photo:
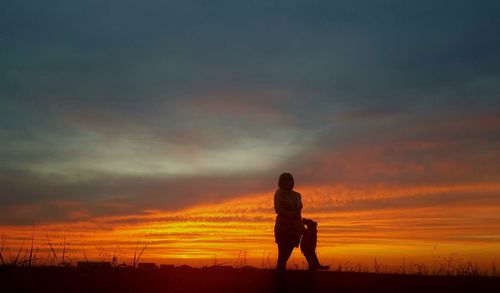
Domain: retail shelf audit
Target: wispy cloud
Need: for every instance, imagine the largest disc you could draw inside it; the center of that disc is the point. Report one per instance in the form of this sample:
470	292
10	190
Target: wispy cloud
368	220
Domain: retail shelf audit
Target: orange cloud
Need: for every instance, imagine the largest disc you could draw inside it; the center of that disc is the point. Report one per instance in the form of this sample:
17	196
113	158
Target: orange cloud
354	224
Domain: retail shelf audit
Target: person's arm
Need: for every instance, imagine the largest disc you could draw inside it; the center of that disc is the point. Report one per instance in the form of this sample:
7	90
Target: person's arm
300	202
281	210
299	206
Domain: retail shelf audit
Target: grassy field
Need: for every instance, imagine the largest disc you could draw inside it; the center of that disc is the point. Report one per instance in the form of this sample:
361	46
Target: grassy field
71	279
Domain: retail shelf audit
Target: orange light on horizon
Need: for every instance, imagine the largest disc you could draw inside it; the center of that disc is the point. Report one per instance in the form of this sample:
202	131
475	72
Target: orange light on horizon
354	225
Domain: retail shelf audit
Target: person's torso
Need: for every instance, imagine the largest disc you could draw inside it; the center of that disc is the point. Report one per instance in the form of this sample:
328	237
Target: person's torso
290	200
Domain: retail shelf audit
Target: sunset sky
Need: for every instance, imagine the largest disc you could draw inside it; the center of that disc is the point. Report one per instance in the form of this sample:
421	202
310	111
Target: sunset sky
169	122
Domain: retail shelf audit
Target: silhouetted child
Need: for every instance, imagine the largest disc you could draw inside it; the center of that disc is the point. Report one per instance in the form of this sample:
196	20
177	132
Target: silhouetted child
308	245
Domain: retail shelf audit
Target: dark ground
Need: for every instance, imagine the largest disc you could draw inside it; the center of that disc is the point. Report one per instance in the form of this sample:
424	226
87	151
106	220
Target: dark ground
57	279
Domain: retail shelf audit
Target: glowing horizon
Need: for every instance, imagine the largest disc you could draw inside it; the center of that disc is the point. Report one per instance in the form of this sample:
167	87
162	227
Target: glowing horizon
353	232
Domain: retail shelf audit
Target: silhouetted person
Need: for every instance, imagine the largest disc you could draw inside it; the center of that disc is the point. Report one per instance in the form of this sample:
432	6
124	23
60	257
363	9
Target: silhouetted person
308	245
288	227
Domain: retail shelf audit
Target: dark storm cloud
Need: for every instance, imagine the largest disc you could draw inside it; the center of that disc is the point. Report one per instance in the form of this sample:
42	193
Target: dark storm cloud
378	84
351	49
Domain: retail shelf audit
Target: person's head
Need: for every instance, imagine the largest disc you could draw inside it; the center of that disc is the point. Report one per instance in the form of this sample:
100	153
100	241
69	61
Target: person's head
285	181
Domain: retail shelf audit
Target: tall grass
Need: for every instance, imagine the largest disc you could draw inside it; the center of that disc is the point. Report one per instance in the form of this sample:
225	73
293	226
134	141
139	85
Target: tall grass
450	265
50	255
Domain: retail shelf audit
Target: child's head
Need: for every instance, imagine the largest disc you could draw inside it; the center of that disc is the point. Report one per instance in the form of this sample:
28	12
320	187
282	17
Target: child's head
310	224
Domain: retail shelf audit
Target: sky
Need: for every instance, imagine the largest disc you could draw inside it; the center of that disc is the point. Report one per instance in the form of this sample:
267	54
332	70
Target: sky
169	122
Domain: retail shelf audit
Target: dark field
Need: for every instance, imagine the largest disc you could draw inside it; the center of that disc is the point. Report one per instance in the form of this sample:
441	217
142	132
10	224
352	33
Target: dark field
55	279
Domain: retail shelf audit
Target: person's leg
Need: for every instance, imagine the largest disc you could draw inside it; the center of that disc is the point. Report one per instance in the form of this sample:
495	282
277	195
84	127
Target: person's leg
284	252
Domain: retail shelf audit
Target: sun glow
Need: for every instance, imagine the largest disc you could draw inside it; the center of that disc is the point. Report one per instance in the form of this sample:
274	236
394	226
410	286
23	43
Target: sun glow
355	225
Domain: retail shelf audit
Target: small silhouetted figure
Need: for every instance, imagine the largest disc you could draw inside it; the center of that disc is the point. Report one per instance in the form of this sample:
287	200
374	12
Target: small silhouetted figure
288	227
308	245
